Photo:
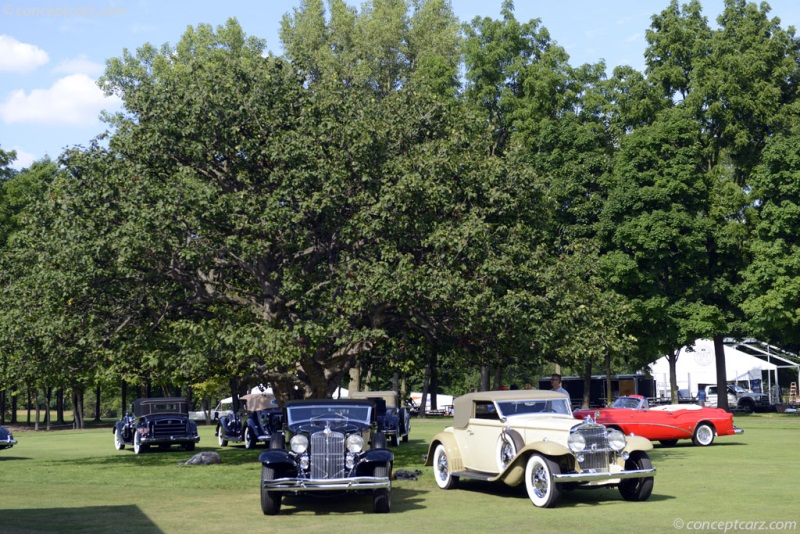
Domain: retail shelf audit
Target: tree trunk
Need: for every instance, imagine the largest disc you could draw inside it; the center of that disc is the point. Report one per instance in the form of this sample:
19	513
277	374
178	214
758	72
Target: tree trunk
423	403
587	383
722	374
124	397
97	404
498	378
77	407
14	409
60	406
48	396
484	378
672	359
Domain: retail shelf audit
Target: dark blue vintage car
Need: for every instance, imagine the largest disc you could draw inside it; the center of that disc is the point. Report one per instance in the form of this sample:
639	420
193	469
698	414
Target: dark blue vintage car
6	439
159	421
258	419
333	446
393	420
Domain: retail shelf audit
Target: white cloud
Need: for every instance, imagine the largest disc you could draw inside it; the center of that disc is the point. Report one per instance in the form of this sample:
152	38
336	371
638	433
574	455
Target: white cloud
75	99
20	57
80	65
24	159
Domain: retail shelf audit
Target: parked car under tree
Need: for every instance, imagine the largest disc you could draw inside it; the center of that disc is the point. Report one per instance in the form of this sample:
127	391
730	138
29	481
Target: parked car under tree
530	437
393	420
158	421
327	446
258	419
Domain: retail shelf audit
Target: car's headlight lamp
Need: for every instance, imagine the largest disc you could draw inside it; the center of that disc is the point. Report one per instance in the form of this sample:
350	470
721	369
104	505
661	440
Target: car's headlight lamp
299	443
576	442
354	443
616	440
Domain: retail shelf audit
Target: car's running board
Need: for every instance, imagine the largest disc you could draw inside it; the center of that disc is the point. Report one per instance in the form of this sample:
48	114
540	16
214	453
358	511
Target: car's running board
477	475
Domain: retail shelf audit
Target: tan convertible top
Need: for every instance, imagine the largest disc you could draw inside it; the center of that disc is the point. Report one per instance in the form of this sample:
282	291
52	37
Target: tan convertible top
464	406
259	401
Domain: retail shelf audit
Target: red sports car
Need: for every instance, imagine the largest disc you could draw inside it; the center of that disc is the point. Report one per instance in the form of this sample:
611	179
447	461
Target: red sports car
666	424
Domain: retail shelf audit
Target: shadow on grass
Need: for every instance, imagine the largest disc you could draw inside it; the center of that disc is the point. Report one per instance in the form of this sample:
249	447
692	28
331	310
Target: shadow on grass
88	519
342	503
171	456
569	497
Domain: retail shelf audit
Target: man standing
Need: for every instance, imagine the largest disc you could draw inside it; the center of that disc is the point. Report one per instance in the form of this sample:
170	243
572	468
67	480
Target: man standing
555	381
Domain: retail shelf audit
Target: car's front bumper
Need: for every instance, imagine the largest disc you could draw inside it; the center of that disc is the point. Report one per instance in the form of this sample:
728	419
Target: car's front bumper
737	430
172	440
7	443
603	476
332	484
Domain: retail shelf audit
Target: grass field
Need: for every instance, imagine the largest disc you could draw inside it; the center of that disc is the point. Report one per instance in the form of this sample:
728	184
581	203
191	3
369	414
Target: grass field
74	481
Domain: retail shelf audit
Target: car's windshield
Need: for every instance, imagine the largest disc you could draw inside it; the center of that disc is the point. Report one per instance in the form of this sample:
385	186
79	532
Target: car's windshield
524	407
627	402
328	412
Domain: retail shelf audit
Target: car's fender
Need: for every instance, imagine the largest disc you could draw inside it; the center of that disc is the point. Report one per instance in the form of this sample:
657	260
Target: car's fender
637	443
378	456
448	440
514	473
276	458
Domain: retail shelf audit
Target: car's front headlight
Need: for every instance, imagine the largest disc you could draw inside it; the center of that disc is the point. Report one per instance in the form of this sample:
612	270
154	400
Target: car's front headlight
299	443
576	442
616	440
354	443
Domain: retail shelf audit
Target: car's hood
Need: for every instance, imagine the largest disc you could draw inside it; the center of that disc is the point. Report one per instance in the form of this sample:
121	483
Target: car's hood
543	422
345	427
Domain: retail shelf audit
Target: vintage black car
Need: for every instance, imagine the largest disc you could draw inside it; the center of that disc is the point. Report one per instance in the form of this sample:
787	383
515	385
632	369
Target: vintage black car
159	421
393	420
258	419
333	446
6	438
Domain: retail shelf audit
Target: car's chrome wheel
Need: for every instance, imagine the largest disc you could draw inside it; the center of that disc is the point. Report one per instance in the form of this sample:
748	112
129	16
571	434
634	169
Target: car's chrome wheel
118	443
249	439
441	469
138	448
221	437
508	445
540	481
703	435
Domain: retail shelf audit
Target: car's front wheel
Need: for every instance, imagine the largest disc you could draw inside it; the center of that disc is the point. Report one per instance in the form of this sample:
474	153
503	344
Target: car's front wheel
270	500
637	489
441	469
138	446
221	437
381	498
118	443
703	435
540	481
249	439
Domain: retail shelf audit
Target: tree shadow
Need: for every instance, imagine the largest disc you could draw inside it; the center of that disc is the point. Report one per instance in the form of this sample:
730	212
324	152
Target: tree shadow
88	519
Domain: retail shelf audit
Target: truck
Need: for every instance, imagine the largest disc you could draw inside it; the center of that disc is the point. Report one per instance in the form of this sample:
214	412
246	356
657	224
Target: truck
739	398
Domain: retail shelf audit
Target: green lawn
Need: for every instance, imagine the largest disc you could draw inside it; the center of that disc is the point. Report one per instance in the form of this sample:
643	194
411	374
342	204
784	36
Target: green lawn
74	481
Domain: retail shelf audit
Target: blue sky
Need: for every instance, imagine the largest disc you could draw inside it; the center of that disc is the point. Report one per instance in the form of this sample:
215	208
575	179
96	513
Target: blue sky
51	53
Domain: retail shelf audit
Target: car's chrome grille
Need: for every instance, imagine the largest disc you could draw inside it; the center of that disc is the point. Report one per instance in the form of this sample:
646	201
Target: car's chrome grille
165	428
596	453
327	455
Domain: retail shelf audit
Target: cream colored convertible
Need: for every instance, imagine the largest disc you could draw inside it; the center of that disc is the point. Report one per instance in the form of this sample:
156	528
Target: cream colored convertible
530	437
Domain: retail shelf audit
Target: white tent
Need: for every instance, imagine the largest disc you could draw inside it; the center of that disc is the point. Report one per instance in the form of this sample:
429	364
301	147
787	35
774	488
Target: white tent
697	365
